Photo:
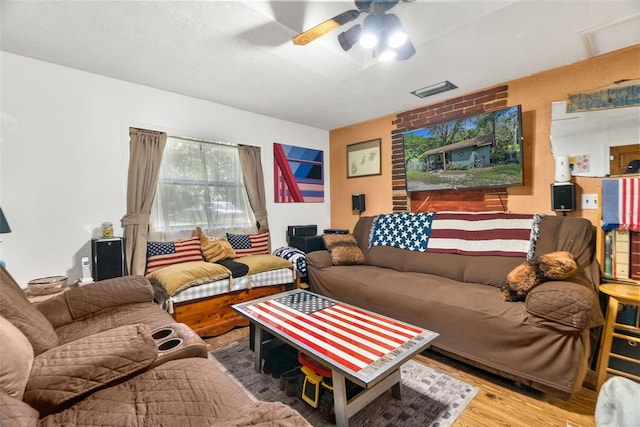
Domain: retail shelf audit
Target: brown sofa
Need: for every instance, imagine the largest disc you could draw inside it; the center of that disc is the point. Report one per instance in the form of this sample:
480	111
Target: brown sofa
106	355
543	342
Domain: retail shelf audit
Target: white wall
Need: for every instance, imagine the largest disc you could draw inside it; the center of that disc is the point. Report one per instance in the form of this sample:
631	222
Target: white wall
64	158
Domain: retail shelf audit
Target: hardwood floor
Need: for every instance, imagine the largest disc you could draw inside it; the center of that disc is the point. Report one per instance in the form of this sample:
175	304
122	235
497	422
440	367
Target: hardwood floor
499	402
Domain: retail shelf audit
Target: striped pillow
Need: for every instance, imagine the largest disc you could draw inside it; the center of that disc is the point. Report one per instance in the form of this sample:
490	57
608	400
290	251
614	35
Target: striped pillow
249	244
161	254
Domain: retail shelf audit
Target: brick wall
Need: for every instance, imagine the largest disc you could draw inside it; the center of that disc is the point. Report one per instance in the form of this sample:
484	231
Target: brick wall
476	200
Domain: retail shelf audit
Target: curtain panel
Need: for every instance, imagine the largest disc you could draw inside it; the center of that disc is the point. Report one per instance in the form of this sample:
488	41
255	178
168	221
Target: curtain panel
145	155
250	160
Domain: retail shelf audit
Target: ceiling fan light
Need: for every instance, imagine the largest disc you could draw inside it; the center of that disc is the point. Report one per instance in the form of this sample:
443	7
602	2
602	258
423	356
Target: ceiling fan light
368	39
396	36
397	39
405	51
350	37
387	55
370	27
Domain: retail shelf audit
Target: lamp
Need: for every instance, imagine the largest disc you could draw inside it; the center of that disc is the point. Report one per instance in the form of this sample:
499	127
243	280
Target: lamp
4	225
4	228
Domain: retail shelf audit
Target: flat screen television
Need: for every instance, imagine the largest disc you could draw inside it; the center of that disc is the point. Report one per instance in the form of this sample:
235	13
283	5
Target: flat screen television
480	151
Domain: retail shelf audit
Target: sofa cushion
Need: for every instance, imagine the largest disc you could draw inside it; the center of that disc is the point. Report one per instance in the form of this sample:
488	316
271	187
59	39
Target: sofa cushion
71	370
214	249
16	308
186	392
162	254
249	244
344	249
16	360
177	277
263	262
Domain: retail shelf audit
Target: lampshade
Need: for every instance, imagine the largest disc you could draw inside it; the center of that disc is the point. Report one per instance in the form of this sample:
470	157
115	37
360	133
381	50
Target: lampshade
4	225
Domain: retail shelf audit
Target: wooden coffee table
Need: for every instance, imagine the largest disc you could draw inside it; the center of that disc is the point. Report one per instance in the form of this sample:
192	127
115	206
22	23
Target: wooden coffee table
356	344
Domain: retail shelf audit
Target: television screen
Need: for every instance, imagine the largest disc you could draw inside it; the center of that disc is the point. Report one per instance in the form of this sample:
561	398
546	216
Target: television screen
479	151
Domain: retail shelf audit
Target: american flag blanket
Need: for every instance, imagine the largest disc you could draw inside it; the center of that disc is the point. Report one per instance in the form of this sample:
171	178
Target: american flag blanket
620	202
463	233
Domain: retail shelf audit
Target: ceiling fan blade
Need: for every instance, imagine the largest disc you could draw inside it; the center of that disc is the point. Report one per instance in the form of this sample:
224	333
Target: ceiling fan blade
325	27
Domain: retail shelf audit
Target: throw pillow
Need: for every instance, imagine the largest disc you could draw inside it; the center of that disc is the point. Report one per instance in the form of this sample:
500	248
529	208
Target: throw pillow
162	254
214	249
344	249
177	277
249	244
294	256
558	265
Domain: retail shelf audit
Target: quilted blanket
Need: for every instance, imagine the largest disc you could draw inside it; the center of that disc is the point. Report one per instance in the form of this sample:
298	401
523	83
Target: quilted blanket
463	233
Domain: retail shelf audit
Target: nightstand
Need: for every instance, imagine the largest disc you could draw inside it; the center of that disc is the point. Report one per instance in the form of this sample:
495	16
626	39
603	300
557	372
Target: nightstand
618	294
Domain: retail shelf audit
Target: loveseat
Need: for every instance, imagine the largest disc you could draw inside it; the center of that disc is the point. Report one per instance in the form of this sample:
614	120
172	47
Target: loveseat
106	355
542	342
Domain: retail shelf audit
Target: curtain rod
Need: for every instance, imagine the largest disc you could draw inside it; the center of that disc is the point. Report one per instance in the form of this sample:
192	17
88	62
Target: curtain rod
228	144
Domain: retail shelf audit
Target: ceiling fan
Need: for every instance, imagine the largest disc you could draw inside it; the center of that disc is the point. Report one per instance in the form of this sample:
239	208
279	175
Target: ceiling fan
381	32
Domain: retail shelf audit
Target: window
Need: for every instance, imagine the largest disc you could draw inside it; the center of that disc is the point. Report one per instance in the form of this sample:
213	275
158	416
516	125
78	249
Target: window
200	184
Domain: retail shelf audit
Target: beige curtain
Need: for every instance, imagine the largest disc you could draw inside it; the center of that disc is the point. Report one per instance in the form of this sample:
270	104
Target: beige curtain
251	164
145	155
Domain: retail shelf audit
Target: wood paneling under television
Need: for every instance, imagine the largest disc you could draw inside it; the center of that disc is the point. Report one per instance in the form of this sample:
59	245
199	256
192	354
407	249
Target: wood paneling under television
476	200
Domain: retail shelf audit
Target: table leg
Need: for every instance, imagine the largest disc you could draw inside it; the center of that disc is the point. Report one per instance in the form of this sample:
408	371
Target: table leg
396	391
607	339
257	347
340	399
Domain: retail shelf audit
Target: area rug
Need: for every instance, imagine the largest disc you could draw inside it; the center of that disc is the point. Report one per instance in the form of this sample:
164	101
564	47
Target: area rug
429	397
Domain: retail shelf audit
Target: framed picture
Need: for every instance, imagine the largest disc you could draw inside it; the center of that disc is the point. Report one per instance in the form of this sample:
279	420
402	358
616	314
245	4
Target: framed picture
363	159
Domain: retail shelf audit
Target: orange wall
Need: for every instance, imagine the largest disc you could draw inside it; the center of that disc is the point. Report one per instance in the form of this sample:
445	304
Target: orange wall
535	93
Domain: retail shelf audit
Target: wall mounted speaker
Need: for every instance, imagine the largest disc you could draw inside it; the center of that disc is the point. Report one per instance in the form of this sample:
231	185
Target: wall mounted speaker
563	169
357	202
563	197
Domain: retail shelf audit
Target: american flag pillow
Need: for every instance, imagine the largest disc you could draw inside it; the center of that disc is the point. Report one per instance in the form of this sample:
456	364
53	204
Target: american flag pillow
249	244
161	254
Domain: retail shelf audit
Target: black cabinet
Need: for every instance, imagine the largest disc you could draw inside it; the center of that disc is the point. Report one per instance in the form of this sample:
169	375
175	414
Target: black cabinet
108	258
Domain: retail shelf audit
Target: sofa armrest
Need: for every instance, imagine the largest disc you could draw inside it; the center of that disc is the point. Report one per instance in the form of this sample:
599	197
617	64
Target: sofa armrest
566	306
79	302
15	412
319	259
74	369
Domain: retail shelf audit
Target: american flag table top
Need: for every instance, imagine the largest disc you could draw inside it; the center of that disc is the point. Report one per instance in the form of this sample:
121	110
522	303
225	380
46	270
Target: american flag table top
360	344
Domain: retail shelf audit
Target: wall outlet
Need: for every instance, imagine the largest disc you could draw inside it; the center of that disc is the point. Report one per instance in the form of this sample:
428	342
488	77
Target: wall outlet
589	201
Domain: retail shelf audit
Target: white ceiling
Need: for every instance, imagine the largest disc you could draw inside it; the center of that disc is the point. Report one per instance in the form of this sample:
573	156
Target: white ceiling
239	53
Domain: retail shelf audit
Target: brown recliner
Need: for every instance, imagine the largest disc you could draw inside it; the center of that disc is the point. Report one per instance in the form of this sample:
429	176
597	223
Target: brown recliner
105	354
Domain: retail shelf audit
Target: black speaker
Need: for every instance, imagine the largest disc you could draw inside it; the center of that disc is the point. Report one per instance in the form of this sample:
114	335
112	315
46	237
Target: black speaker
357	202
307	243
108	258
563	197
302	230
